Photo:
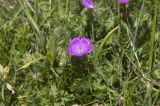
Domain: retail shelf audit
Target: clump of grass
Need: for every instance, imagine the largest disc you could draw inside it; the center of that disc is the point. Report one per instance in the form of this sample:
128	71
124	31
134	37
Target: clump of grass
36	68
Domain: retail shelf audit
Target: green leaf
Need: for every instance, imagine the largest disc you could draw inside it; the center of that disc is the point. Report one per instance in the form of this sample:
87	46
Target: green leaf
51	49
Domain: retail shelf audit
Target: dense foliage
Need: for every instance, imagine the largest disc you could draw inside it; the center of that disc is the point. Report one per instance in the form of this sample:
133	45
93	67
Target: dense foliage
37	70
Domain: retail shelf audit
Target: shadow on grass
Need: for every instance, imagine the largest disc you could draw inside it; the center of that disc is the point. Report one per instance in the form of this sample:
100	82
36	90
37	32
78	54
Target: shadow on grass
78	76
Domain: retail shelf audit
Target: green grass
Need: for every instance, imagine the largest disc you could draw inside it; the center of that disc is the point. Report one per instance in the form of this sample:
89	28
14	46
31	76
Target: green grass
122	70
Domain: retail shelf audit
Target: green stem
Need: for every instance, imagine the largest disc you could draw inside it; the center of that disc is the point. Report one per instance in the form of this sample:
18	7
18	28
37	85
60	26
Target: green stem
67	6
119	20
102	43
153	32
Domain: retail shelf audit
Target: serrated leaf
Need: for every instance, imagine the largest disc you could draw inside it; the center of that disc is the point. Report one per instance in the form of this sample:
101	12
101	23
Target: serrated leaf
4	71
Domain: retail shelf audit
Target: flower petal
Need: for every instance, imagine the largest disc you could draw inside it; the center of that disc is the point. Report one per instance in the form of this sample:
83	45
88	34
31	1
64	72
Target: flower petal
80	47
88	4
123	1
87	45
74	47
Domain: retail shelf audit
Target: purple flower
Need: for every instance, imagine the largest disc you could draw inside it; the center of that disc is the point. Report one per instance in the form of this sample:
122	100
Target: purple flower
80	46
123	1
88	4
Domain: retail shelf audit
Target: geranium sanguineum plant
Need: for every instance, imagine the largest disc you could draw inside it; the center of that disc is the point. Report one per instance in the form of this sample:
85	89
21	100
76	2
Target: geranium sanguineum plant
88	4
80	47
123	1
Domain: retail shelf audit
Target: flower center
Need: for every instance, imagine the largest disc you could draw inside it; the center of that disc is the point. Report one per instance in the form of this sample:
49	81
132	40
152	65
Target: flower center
80	48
